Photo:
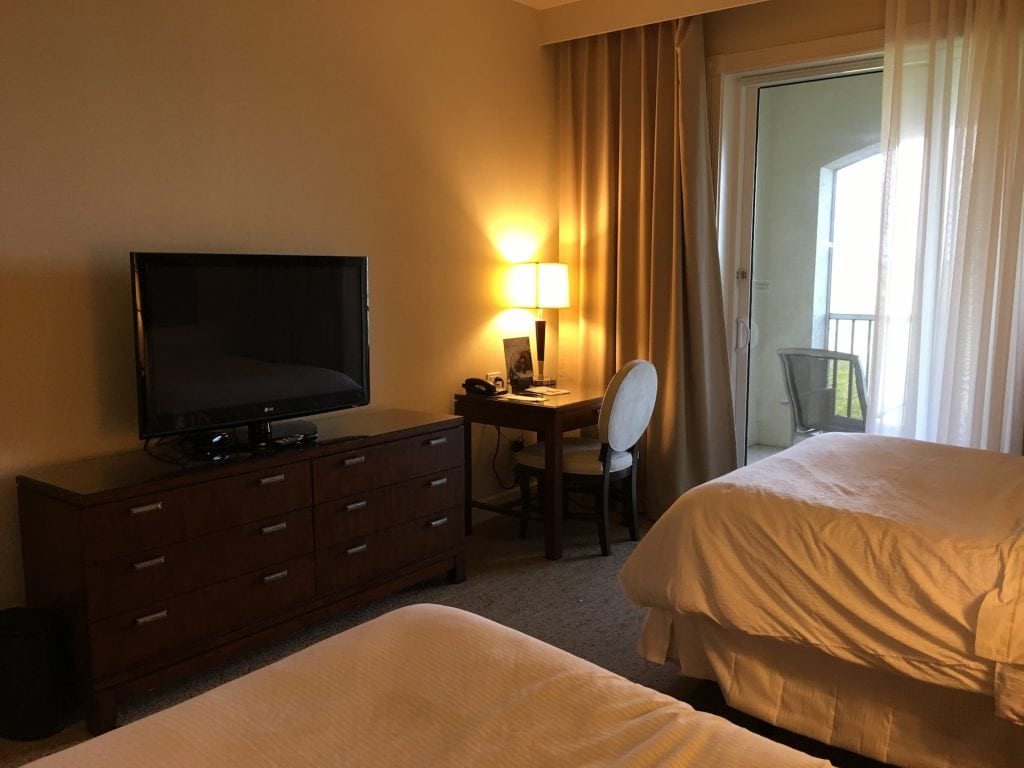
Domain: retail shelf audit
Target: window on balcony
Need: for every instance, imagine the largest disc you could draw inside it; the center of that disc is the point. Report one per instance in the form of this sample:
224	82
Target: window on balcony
850	209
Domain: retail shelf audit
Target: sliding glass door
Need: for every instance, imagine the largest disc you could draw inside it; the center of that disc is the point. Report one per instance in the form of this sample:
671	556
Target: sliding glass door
806	204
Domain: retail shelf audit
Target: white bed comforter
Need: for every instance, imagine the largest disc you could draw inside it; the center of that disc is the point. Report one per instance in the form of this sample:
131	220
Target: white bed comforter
430	686
897	554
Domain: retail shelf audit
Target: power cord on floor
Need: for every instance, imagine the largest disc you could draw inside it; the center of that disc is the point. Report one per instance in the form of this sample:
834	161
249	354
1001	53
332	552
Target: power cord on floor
515	444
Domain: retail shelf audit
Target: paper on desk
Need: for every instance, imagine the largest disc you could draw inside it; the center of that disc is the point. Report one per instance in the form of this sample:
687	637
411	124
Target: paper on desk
547	391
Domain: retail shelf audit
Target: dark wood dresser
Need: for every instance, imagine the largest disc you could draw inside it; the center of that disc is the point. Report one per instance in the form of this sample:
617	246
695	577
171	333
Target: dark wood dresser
162	570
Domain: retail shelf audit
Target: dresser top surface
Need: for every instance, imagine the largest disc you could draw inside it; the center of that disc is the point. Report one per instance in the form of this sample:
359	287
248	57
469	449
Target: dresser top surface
83	481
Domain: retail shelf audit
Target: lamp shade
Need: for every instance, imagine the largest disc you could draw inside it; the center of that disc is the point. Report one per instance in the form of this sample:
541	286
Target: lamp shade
539	285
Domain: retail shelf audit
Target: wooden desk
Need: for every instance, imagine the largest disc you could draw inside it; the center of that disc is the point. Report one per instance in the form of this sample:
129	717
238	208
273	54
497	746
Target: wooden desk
549	419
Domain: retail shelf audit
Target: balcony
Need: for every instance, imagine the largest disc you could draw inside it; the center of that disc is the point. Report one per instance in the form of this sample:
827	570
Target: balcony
853	334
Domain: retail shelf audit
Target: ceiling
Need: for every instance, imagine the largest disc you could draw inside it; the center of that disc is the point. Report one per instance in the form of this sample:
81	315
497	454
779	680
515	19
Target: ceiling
561	20
540	5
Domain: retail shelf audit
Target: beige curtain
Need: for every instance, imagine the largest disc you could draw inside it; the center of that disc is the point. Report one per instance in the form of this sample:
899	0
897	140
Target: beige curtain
637	220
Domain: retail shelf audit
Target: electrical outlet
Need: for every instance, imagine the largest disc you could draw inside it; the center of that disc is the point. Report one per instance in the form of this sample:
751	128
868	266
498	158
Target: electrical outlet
516	445
492	375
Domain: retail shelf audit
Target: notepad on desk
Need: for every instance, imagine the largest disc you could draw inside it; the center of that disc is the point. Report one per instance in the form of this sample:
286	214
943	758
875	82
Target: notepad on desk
547	391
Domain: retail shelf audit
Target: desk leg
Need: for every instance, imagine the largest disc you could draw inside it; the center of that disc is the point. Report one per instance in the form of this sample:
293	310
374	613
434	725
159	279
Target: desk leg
553	494
467	438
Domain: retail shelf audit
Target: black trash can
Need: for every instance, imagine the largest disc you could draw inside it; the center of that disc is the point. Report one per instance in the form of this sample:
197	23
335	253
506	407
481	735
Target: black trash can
34	674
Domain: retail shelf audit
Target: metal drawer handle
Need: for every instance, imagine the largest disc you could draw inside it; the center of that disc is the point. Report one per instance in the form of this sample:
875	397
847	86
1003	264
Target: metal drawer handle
356	550
352	461
355	505
438	440
142	620
439	522
275	576
157	505
439	482
272	479
149	563
273	528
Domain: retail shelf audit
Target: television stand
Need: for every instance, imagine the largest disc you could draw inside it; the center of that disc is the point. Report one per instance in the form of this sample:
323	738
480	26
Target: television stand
262	435
162	570
243	442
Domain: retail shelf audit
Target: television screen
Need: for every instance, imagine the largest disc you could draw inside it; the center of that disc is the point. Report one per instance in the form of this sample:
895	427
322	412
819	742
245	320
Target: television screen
225	340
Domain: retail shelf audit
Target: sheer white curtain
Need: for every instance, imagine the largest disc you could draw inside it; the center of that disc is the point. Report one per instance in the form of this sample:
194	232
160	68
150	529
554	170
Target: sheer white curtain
948	358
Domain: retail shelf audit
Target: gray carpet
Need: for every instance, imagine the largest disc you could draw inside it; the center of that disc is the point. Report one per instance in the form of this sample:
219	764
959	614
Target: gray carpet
574	603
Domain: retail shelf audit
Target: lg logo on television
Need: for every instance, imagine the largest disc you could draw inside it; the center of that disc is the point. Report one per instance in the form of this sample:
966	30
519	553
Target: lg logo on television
268	409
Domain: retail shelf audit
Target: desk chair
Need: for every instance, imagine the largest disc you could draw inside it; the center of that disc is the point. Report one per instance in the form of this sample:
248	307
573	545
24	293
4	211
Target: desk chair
825	391
592	465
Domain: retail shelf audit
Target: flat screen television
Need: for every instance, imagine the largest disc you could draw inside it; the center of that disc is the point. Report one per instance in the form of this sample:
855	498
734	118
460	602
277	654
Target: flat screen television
230	341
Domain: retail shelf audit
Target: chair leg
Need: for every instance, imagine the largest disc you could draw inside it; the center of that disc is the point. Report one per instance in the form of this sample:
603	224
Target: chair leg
622	495
524	502
603	502
631	505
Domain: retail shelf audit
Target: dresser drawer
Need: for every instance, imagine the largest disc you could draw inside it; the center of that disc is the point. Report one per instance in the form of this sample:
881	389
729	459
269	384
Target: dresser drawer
253	496
260	594
347	565
135	524
341	521
380	553
155	574
351	472
361	514
422	539
143	522
127	640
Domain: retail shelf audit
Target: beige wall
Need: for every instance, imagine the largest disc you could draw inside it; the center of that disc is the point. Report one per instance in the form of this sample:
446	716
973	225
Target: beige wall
413	133
786	22
583	18
732	26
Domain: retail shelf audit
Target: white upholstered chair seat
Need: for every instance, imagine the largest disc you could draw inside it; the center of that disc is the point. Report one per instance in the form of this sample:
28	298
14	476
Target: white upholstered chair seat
580	456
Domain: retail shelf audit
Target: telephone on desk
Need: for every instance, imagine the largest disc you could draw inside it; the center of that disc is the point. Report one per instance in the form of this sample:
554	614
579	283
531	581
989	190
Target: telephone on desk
475	386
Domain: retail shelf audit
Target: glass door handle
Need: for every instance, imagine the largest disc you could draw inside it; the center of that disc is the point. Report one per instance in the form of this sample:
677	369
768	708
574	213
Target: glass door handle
742	333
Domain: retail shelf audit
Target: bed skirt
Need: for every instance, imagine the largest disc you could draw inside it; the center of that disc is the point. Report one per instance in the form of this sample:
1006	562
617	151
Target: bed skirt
875	713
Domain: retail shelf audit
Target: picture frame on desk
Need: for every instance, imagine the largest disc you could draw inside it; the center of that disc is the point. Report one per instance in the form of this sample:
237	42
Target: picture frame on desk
518	363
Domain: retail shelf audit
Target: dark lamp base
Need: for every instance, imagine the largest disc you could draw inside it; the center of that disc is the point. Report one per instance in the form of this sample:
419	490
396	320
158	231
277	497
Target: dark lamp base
544	382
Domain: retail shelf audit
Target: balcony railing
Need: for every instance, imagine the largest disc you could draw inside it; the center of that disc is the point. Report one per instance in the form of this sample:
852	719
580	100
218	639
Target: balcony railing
852	334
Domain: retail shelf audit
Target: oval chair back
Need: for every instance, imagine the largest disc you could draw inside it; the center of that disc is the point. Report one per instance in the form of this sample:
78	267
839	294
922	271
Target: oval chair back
628	404
592	466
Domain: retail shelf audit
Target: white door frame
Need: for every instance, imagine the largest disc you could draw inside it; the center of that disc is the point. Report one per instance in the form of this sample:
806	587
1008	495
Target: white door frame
733	84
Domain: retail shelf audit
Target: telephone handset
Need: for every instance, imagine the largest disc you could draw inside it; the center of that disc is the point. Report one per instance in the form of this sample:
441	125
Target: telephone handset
474	386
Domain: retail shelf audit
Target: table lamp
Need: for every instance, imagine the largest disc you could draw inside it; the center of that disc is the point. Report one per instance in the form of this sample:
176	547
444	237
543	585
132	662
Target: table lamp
540	286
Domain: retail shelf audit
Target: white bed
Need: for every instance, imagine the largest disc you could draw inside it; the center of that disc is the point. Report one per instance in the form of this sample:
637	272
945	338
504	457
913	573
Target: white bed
865	591
423	686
